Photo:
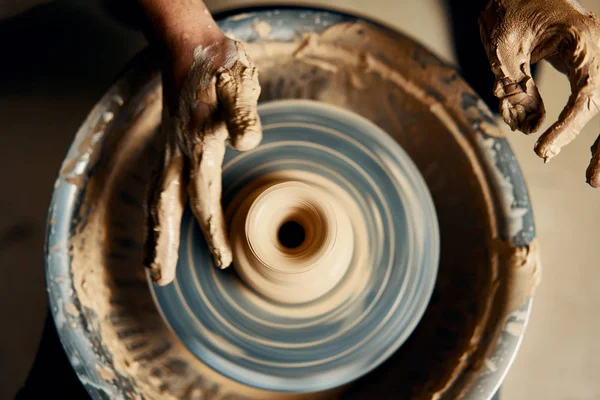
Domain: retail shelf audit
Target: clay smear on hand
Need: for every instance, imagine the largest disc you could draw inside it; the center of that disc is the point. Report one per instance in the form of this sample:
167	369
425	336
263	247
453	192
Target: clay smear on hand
218	103
517	33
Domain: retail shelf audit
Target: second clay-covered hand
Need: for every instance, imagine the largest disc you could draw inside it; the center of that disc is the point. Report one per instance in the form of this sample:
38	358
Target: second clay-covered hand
518	33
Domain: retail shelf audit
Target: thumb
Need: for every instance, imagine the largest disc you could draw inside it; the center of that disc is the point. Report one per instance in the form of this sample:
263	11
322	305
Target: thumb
509	54
238	91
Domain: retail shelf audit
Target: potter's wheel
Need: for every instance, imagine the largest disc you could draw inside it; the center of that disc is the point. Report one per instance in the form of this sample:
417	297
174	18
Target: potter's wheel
321	312
122	345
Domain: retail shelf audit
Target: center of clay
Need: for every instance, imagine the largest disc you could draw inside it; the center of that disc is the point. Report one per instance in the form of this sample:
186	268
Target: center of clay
291	234
292	242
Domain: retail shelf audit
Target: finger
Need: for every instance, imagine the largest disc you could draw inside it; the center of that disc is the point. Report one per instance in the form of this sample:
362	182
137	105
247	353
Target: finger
205	193
508	51
593	171
521	105
580	109
238	91
166	210
583	102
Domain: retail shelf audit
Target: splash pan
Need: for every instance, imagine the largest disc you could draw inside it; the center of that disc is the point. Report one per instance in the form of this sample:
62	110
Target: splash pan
106	312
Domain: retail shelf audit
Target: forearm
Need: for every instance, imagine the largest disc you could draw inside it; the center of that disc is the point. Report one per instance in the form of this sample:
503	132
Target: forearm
180	25
177	28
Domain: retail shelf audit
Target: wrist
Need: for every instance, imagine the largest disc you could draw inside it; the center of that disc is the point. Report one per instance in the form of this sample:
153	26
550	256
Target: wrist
178	27
182	52
182	43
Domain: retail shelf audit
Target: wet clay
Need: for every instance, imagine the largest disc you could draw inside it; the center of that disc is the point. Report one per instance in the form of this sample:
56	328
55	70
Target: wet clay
307	271
217	104
517	33
434	116
355	279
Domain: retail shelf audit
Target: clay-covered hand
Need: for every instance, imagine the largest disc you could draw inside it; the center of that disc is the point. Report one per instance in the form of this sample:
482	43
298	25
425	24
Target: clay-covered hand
214	104
517	33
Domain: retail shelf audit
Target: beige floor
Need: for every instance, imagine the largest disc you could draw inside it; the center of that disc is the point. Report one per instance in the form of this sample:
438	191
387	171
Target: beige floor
560	355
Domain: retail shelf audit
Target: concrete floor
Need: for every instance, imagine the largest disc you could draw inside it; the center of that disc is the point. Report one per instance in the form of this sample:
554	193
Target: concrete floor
44	98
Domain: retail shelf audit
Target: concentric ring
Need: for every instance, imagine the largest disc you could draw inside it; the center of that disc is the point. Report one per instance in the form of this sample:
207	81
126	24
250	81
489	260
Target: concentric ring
373	309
